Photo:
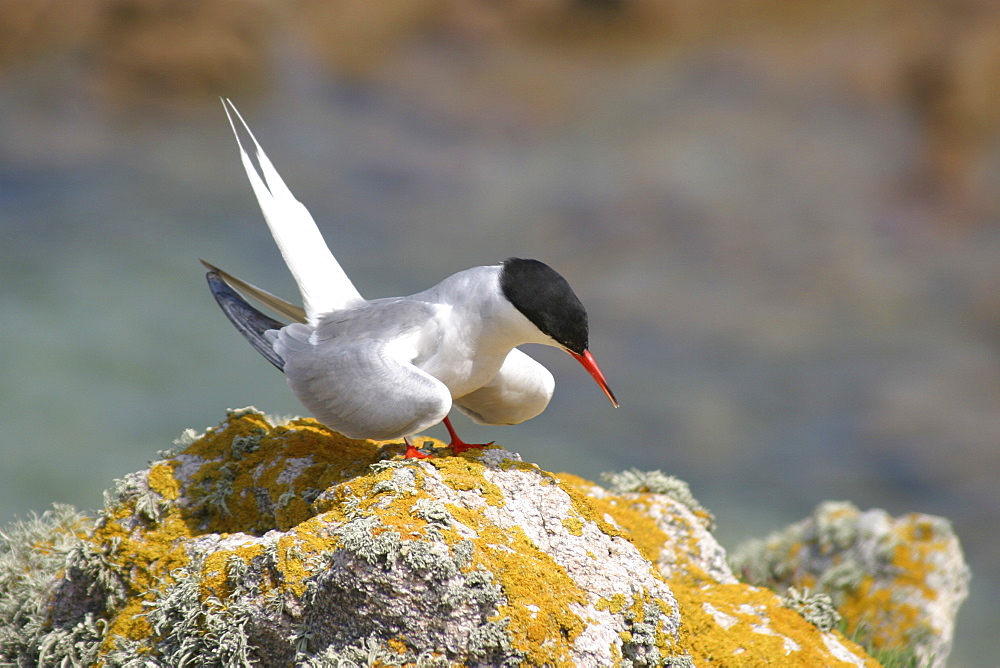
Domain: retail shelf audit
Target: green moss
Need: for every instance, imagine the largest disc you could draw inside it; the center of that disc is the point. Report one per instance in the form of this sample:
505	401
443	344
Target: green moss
895	655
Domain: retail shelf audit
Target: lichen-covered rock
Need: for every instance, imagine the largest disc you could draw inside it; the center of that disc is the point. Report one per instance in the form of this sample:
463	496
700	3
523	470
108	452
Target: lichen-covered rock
895	581
723	621
292	545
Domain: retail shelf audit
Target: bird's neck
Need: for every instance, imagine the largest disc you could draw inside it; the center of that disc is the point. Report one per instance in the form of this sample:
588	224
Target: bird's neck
486	317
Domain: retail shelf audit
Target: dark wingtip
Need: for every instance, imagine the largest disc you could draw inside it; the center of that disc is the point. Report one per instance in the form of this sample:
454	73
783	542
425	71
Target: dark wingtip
250	322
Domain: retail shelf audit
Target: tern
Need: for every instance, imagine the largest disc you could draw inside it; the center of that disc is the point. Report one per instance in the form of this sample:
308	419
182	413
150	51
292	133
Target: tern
388	368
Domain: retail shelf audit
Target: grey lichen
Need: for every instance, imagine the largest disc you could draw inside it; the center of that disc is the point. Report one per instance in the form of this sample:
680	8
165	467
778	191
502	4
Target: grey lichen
387	464
657	482
187	437
758	562
219	490
476	589
429	558
433	511
78	645
836	526
372	577
840	578
858	557
32	554
237	413
817	609
245	444
357	536
832	529
135	487
91	571
490	643
459	607
384	486
403	480
196	630
371	652
641	647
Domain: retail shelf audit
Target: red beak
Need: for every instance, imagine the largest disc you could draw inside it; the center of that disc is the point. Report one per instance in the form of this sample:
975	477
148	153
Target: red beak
587	360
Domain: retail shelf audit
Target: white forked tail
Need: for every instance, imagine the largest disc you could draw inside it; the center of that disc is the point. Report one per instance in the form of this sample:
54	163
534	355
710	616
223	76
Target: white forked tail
321	280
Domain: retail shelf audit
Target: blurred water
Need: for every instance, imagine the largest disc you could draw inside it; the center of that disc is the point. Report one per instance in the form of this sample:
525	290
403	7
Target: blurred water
780	328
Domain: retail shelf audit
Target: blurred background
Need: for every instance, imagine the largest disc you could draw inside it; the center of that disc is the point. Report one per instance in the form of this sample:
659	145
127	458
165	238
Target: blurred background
783	217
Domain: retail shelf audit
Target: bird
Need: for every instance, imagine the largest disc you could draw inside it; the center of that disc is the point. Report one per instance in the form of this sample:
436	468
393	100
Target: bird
389	368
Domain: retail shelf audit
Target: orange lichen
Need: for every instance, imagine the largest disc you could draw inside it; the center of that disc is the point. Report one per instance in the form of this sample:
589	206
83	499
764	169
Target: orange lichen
147	555
574	525
888	613
162	481
466	473
584	505
742	625
528	577
637	526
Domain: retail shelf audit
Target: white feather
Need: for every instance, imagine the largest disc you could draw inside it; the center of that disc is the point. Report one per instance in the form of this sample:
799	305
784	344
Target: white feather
322	282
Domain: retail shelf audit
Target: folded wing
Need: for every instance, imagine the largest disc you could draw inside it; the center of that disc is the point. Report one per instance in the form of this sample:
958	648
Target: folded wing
360	388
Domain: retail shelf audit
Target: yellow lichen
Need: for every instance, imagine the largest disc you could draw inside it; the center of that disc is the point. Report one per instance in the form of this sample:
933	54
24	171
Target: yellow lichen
148	555
215	569
615	604
574	525
538	590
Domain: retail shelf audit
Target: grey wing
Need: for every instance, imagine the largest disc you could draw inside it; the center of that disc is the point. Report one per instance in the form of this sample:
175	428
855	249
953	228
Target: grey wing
250	322
519	391
359	388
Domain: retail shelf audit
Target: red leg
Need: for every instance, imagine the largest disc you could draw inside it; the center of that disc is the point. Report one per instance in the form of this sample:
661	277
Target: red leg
458	445
412	452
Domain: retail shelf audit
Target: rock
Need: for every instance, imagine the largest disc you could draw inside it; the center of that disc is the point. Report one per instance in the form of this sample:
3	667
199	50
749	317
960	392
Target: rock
895	581
292	545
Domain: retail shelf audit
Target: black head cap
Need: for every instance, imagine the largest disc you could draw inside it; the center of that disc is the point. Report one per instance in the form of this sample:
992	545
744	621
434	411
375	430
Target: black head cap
545	298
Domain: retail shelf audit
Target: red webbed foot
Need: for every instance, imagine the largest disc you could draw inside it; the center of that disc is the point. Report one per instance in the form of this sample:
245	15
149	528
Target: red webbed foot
459	446
412	452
